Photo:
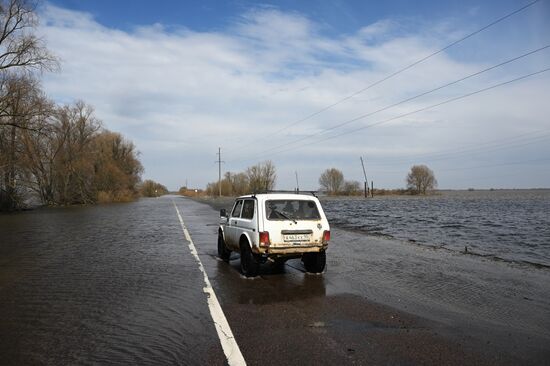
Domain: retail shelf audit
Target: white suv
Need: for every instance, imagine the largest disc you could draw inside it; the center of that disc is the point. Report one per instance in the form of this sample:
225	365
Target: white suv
275	227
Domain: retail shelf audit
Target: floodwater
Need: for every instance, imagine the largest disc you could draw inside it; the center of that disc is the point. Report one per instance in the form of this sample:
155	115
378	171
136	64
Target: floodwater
512	225
100	285
117	284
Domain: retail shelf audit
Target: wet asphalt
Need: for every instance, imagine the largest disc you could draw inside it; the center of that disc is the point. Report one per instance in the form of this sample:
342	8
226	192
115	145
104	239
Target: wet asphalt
117	284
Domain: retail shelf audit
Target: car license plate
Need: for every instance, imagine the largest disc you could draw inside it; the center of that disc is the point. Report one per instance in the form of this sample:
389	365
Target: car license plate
296	237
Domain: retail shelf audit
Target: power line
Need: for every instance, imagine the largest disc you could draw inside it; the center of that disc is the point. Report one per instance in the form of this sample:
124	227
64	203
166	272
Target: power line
409	99
444	102
407	67
406	100
419	110
453	154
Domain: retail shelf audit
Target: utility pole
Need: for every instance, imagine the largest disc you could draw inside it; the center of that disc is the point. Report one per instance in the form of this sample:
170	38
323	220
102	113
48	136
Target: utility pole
371	188
220	170
366	181
297	184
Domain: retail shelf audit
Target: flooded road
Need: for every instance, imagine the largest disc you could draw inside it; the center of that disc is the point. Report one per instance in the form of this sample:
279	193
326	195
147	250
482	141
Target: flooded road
111	284
118	284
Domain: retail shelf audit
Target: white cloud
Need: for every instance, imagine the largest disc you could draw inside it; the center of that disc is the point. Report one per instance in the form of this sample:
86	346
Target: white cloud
179	94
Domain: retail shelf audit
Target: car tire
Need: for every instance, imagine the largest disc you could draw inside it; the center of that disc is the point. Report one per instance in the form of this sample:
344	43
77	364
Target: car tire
249	264
315	262
223	252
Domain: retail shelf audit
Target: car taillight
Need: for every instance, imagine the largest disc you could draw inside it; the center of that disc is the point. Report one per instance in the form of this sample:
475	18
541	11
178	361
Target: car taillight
264	239
326	236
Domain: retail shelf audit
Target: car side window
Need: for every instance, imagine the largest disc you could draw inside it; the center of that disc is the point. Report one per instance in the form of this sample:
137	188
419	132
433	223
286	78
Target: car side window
248	209
237	209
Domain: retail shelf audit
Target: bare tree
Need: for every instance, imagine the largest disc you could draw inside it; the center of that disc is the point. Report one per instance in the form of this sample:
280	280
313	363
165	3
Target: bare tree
117	170
21	101
21	51
331	181
239	183
351	187
257	178
421	179
20	48
76	127
261	176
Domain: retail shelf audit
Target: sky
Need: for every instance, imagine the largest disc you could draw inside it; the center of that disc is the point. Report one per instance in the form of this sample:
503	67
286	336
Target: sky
313	86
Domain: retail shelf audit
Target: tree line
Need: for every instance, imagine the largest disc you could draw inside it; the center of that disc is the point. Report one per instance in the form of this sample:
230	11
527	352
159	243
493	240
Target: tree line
420	180
60	154
262	177
257	178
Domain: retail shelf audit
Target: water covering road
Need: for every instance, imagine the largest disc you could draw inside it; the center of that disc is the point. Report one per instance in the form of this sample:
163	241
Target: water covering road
99	285
117	284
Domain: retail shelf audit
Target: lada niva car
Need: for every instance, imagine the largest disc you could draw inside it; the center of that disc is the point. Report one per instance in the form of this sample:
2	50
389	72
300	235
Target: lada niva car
275	227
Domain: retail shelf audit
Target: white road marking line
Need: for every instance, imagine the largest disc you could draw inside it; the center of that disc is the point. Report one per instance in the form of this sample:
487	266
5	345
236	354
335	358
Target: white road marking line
227	340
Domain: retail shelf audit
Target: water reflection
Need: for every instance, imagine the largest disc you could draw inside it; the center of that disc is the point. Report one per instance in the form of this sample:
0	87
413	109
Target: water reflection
273	285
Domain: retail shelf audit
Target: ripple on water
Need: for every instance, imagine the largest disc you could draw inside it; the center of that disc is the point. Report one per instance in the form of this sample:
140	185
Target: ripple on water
112	284
512	225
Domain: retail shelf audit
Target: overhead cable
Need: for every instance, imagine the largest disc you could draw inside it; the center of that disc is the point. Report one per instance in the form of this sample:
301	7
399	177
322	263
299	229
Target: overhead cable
395	73
447	101
406	100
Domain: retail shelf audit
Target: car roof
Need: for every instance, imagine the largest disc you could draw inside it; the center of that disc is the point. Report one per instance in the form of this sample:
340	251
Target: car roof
280	196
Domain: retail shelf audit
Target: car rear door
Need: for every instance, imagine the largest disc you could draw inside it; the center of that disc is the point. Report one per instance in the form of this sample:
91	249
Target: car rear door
247	222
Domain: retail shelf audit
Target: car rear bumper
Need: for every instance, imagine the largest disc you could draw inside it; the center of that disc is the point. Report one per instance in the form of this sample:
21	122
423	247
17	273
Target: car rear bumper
289	250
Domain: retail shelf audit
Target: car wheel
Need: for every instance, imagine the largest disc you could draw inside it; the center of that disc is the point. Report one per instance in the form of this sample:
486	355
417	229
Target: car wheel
315	262
249	265
223	252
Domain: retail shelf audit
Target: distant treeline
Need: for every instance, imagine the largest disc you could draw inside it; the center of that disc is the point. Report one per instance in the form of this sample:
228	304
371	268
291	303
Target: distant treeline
59	154
260	177
150	188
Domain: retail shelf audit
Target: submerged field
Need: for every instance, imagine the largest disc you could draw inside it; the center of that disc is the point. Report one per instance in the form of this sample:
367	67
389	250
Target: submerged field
512	225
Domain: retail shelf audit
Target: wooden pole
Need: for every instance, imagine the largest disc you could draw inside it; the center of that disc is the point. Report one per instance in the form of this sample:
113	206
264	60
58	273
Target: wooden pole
366	180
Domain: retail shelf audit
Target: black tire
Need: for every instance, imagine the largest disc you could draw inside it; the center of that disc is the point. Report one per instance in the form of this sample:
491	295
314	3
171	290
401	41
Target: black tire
223	252
249	264
315	262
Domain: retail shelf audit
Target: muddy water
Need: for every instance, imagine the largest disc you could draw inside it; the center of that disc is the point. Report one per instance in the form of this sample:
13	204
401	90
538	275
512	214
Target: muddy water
112	284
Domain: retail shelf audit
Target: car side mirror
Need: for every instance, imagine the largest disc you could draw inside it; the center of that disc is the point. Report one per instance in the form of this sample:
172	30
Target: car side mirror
223	212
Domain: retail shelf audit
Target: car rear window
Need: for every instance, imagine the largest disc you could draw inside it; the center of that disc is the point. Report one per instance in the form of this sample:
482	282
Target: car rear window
291	210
